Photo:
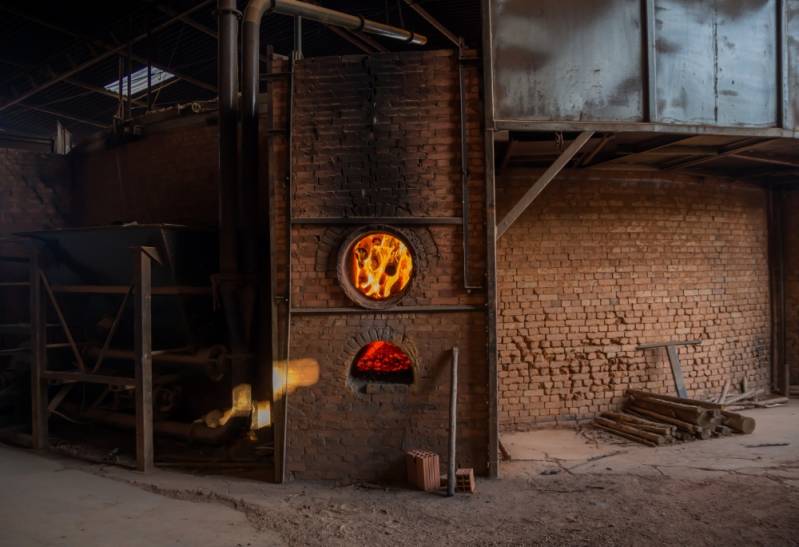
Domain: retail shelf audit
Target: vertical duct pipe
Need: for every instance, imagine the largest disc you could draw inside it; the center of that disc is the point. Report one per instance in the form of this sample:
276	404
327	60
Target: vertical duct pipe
228	283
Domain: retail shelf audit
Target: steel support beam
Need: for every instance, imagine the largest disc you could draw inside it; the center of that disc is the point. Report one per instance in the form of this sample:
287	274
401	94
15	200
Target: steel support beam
543	181
731	150
435	23
58	114
652	145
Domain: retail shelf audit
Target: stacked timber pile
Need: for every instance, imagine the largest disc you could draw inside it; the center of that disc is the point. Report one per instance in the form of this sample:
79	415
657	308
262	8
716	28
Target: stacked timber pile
655	420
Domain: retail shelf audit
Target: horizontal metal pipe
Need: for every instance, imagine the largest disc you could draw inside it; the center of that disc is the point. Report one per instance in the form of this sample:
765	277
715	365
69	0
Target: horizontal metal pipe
330	17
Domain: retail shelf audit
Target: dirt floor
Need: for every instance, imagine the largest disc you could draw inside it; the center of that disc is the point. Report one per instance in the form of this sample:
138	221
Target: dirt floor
562	488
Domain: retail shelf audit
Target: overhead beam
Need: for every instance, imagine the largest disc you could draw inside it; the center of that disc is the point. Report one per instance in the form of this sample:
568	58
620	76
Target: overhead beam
112	50
647	147
351	38
101	90
589	157
760	159
435	23
735	148
543	181
57	114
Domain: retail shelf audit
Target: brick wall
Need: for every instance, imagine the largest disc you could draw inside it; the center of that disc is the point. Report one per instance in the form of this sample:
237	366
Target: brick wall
604	261
34	195
791	215
34	190
168	176
379	136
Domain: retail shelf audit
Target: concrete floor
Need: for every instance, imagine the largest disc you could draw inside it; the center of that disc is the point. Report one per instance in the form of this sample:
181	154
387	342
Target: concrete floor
562	488
51	501
774	444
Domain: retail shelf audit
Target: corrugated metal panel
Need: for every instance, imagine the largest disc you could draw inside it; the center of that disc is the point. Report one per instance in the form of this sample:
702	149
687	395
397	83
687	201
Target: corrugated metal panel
567	60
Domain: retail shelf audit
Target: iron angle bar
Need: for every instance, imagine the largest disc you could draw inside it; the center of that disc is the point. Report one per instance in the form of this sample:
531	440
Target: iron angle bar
453	308
379	220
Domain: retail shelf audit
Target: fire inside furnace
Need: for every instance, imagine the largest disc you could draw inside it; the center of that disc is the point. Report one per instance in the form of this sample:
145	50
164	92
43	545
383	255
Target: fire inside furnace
382	361
381	266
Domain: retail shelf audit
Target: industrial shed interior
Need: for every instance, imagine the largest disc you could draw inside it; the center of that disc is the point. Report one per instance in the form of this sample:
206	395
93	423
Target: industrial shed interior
332	240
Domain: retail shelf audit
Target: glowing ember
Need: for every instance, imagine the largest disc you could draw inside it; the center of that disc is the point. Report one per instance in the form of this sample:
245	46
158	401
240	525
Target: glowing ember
381	266
382	358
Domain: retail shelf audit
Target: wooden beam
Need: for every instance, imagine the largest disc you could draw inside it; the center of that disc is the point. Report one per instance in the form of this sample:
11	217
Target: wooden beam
540	185
38	326
142	262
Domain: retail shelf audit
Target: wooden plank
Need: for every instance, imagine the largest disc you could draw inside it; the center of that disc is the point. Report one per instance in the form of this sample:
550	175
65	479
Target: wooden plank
543	181
655	345
676	371
38	330
75	376
724	391
63	321
144	361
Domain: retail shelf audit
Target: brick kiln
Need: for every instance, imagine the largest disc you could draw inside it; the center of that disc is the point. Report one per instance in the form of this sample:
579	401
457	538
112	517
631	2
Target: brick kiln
381	268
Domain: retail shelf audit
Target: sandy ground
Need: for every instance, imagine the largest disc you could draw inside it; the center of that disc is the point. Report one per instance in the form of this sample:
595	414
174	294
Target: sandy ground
563	488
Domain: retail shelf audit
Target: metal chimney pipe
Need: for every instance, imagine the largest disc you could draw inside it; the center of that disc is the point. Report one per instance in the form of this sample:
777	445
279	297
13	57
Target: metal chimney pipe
228	87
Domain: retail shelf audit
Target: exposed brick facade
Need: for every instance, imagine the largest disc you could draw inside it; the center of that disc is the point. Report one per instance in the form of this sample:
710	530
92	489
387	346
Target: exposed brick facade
34	190
34	195
603	261
379	136
791	216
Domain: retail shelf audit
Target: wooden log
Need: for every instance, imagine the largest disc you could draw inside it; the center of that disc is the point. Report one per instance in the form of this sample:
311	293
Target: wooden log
743	396
680	424
688	413
724	391
704	433
641	423
625	435
652	437
681	400
722	431
738	422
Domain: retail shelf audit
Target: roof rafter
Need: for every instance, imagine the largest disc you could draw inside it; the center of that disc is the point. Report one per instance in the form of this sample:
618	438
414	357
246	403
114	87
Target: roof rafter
110	51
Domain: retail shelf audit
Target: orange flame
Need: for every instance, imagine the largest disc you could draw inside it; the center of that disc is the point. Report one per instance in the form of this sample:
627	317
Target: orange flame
381	266
382	357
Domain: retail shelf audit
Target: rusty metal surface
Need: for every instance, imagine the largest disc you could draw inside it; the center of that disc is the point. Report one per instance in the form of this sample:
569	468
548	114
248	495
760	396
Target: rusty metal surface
715	65
567	60
716	62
